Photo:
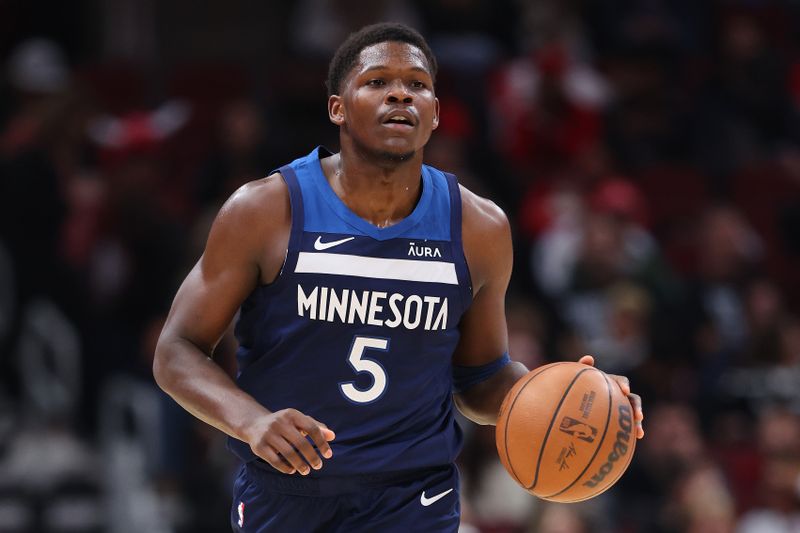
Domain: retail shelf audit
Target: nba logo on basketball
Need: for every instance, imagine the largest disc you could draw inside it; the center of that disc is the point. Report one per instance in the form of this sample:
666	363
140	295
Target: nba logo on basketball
241	514
579	429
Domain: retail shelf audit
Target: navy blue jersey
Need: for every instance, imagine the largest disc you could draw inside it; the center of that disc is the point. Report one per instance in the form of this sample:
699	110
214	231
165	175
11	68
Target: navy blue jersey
359	328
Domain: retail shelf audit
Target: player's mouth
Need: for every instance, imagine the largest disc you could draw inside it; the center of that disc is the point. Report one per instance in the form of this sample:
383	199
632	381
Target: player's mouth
399	120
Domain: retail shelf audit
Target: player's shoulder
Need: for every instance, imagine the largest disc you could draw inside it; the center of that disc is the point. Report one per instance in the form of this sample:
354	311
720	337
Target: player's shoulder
255	211
256	195
258	201
486	237
482	216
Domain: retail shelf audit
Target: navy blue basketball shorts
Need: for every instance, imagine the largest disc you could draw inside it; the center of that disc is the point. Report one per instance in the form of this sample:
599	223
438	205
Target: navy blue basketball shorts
420	500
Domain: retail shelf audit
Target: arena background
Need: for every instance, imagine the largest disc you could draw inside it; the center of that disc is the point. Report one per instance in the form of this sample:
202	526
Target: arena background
646	151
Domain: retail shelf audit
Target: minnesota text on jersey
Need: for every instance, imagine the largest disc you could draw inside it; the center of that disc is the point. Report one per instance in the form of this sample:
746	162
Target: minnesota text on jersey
375	308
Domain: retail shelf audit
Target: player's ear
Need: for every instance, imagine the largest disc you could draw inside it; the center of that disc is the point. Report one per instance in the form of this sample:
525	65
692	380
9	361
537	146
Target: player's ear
335	109
435	113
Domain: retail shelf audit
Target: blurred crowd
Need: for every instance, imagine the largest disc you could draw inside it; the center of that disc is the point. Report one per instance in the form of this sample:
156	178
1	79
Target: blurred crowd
647	153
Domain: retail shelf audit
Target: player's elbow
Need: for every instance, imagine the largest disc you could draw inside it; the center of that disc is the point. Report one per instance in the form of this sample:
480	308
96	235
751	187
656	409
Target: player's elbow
481	402
163	371
159	368
470	405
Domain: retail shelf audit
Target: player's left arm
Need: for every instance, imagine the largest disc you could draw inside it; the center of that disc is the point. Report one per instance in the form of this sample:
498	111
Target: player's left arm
484	335
486	238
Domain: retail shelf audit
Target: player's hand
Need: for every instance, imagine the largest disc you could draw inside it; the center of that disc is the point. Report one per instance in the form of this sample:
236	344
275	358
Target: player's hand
280	439
625	385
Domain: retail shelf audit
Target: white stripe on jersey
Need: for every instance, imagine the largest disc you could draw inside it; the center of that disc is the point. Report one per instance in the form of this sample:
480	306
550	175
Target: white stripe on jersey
376	267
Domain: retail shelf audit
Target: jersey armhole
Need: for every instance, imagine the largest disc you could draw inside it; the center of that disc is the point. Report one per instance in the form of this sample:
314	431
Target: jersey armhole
462	268
296	232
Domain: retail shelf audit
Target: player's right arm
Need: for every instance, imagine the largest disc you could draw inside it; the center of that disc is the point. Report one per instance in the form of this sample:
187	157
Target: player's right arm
246	246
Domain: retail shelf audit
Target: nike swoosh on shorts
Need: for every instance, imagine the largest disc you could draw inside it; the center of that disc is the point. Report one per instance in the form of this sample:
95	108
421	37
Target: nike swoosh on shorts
433	499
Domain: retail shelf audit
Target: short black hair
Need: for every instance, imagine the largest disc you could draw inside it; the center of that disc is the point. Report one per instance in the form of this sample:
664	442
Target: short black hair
346	56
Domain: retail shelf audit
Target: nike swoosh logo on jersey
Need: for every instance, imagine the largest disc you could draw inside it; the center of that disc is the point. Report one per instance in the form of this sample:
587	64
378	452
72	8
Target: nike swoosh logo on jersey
319	245
433	499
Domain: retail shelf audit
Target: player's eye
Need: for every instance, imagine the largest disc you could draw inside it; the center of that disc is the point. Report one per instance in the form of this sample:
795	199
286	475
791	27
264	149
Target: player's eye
376	82
418	84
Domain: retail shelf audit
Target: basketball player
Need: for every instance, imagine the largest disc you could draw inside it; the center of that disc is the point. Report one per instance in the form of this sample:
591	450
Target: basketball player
371	293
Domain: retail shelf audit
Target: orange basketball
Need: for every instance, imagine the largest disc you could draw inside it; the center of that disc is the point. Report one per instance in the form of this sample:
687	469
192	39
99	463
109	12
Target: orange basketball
565	432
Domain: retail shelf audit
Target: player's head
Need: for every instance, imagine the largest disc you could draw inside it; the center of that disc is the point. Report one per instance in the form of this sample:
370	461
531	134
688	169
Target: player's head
349	51
380	86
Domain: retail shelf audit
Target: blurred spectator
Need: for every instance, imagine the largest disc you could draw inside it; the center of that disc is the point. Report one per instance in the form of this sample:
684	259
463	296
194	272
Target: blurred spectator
319	26
605	271
469	36
42	146
701	502
645	124
728	253
38	66
545	109
243	153
526	332
768	383
765	310
46	466
556	219
616	25
37	158
625	345
557	213
745	109
779	488
449	147
566	518
673	448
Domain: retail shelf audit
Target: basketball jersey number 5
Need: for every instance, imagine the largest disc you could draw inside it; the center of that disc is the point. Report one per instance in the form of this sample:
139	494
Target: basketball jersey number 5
361	363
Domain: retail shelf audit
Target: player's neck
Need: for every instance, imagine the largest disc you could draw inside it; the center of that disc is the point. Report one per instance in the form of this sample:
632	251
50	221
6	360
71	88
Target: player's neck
381	193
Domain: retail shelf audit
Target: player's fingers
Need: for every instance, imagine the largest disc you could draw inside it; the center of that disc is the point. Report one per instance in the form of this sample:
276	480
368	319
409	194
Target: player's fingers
586	360
623	382
327	433
320	435
636	403
638	414
288	452
306	450
278	462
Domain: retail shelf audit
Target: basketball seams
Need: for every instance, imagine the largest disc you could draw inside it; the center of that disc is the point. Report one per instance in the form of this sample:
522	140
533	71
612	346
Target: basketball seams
550	426
510	411
597	449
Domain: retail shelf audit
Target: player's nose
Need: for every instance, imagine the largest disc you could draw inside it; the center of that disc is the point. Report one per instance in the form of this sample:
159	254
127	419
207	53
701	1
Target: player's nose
397	91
